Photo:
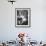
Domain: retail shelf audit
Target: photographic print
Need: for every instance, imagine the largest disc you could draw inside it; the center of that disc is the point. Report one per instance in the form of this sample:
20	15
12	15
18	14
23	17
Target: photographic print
22	16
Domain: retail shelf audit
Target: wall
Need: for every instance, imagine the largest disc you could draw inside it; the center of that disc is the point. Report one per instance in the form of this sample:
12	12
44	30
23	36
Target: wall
8	31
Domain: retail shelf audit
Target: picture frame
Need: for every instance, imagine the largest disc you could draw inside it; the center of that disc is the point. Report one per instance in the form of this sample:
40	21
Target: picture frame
22	17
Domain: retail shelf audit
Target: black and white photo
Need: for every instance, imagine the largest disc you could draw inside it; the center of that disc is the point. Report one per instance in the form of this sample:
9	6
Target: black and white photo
22	16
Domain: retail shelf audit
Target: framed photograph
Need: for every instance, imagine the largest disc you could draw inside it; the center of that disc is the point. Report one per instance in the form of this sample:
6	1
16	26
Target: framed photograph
22	17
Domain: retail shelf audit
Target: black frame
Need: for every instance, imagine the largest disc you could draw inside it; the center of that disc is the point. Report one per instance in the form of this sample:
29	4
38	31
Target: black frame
29	17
